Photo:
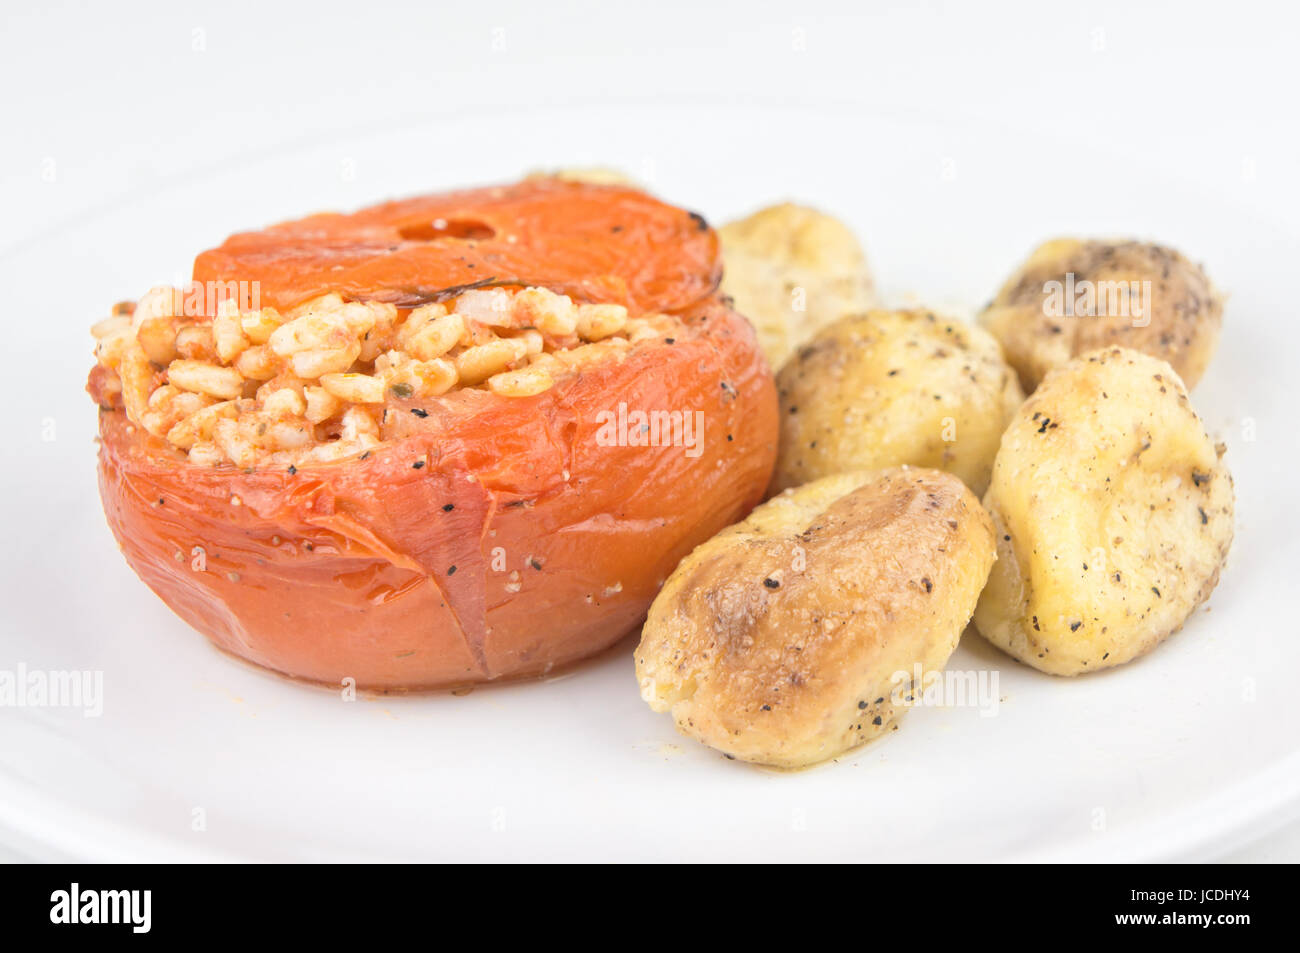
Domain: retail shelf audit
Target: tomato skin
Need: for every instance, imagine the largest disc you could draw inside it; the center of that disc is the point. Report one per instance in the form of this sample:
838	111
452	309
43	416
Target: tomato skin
559	540
593	242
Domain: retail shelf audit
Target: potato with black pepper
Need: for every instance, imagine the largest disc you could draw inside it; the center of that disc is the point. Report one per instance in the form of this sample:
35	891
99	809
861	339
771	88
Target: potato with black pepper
792	270
886	388
1073	296
1113	510
788	638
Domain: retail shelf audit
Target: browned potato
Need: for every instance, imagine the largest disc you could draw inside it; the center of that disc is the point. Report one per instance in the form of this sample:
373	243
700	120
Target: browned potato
892	387
1074	296
791	271
1113	510
785	639
593	175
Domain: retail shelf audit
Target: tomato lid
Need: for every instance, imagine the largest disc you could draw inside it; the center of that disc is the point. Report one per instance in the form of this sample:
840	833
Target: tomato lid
592	242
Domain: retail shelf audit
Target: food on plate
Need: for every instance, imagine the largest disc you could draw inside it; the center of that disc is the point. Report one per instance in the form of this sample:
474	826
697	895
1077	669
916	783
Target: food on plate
1113	510
1073	296
482	434
792	270
892	387
442	440
797	634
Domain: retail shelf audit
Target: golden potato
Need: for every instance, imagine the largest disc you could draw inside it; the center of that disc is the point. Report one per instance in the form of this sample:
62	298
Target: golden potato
1113	510
1074	296
784	639
791	271
592	175
893	387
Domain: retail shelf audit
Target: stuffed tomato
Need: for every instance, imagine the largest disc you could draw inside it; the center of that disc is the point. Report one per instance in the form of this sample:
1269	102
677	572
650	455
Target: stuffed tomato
439	441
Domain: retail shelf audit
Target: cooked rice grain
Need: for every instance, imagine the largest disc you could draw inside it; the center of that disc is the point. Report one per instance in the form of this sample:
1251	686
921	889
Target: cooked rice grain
258	387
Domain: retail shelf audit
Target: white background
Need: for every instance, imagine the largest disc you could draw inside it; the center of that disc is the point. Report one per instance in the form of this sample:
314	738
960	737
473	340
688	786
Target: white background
103	103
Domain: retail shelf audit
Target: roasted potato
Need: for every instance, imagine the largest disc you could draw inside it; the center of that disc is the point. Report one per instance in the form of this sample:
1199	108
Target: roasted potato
794	636
892	387
1074	296
1113	510
592	175
791	271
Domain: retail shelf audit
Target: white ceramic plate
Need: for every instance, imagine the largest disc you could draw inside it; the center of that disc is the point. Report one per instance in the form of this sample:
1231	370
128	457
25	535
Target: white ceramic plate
1179	755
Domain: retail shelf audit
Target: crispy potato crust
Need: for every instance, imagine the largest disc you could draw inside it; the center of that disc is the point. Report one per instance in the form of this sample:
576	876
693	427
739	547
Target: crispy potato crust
894	387
780	640
1180	325
791	271
1113	510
